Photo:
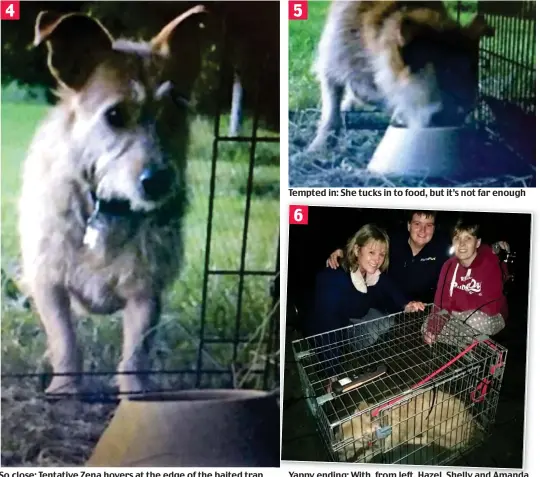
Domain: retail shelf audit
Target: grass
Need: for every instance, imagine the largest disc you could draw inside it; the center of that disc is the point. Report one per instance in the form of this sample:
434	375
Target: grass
344	165
38	432
23	343
304	37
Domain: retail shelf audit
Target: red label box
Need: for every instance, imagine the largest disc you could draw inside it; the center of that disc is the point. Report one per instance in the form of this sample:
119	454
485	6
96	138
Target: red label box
298	215
10	10
298	10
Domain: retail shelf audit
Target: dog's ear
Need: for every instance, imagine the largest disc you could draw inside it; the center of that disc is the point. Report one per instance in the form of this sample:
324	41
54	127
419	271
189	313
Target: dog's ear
76	44
479	28
406	30
180	42
162	41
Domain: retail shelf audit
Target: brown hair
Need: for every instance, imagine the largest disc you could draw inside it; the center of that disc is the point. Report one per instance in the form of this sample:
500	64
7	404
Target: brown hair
470	226
367	233
425	213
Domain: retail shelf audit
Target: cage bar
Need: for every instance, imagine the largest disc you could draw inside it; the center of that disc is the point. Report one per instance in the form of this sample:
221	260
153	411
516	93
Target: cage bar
380	394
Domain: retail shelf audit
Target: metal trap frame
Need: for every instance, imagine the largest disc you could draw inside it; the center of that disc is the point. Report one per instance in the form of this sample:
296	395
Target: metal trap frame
380	394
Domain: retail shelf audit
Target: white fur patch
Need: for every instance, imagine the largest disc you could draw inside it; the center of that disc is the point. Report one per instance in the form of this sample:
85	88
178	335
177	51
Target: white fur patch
91	237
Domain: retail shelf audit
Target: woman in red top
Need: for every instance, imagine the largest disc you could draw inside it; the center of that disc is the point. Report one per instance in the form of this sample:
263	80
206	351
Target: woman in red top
470	286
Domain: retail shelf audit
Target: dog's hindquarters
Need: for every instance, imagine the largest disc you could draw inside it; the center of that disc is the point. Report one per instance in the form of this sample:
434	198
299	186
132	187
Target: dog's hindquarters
420	428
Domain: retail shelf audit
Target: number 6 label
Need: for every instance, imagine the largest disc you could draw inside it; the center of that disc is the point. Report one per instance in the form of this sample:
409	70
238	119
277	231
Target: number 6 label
9	10
298	215
298	10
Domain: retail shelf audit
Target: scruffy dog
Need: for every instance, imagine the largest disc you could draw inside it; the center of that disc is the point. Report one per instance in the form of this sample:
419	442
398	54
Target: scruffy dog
408	56
103	191
441	421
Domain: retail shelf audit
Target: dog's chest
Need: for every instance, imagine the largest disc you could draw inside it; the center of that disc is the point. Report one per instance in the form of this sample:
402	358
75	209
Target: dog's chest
102	279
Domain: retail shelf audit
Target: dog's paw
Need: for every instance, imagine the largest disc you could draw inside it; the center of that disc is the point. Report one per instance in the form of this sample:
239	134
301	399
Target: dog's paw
132	385
318	146
63	386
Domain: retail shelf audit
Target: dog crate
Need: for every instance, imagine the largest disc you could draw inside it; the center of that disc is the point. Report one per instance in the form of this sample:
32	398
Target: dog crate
507	82
380	394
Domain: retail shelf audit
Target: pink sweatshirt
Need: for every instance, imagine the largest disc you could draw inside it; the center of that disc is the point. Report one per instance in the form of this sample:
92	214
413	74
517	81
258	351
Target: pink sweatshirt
478	286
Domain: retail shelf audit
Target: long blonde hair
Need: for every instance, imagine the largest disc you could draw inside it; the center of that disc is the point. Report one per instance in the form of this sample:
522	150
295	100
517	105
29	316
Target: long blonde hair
367	233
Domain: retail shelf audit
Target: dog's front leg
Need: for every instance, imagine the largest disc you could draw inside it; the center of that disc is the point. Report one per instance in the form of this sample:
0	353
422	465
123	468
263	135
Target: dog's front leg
53	305
141	314
330	122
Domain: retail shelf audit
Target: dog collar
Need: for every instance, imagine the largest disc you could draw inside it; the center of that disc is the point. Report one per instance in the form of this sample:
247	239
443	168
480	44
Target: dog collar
120	208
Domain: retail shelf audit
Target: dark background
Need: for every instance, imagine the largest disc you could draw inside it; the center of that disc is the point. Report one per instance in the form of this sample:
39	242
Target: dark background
329	228
250	41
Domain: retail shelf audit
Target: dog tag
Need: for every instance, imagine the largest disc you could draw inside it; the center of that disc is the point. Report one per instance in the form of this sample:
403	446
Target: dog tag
91	237
95	226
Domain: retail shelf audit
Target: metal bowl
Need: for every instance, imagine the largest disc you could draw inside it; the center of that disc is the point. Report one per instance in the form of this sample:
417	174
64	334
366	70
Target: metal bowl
428	152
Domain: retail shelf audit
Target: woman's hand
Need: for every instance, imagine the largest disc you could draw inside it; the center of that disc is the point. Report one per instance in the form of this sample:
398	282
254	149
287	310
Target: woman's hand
414	306
429	337
333	260
498	246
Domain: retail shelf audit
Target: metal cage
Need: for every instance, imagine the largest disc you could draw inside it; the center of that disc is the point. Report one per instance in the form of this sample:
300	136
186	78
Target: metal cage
507	82
380	394
246	355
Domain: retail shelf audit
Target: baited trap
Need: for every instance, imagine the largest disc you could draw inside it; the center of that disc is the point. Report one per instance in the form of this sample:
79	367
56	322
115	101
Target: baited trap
380	394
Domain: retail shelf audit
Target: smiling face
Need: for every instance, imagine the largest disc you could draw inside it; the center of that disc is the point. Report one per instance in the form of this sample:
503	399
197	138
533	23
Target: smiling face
421	229
371	256
465	246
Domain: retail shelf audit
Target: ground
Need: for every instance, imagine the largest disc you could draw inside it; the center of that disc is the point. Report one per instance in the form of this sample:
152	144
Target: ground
36	432
343	165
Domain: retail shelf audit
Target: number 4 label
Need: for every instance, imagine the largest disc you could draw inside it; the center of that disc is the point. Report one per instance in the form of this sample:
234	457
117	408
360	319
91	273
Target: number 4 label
298	10
298	214
9	10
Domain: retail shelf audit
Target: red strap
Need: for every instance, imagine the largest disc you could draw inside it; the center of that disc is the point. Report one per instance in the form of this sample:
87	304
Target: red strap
376	411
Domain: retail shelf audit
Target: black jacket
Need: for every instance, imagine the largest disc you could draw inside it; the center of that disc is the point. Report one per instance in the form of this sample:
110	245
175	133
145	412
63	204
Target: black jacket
417	276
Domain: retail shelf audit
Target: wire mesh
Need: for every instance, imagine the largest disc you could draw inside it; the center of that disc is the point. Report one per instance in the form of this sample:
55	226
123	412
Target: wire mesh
380	394
242	274
222	331
507	82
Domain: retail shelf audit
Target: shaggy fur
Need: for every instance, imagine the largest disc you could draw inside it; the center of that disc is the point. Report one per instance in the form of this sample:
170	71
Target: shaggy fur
408	56
443	422
94	236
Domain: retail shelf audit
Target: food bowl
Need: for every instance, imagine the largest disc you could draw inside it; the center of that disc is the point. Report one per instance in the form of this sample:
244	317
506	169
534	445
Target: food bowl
201	428
427	152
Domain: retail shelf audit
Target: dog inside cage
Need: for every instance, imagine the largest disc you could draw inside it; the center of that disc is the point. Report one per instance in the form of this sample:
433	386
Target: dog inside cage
399	399
397	340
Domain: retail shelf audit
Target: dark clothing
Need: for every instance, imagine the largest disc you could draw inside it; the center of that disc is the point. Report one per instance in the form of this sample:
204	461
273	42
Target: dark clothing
417	276
337	301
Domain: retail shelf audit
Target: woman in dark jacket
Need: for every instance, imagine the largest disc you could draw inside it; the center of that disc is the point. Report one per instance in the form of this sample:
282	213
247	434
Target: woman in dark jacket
354	291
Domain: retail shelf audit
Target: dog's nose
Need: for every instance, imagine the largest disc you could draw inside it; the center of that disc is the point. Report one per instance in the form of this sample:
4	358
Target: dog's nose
156	182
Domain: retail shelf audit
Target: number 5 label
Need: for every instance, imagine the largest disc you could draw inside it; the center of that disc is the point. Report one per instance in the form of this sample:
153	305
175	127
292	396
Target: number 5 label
9	10
298	214
298	10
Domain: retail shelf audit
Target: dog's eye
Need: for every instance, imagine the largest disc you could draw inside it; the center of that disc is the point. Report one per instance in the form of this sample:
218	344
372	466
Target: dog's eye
117	116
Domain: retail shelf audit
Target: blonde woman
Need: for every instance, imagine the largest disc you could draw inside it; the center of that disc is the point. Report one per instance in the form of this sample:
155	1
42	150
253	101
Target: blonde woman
357	288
